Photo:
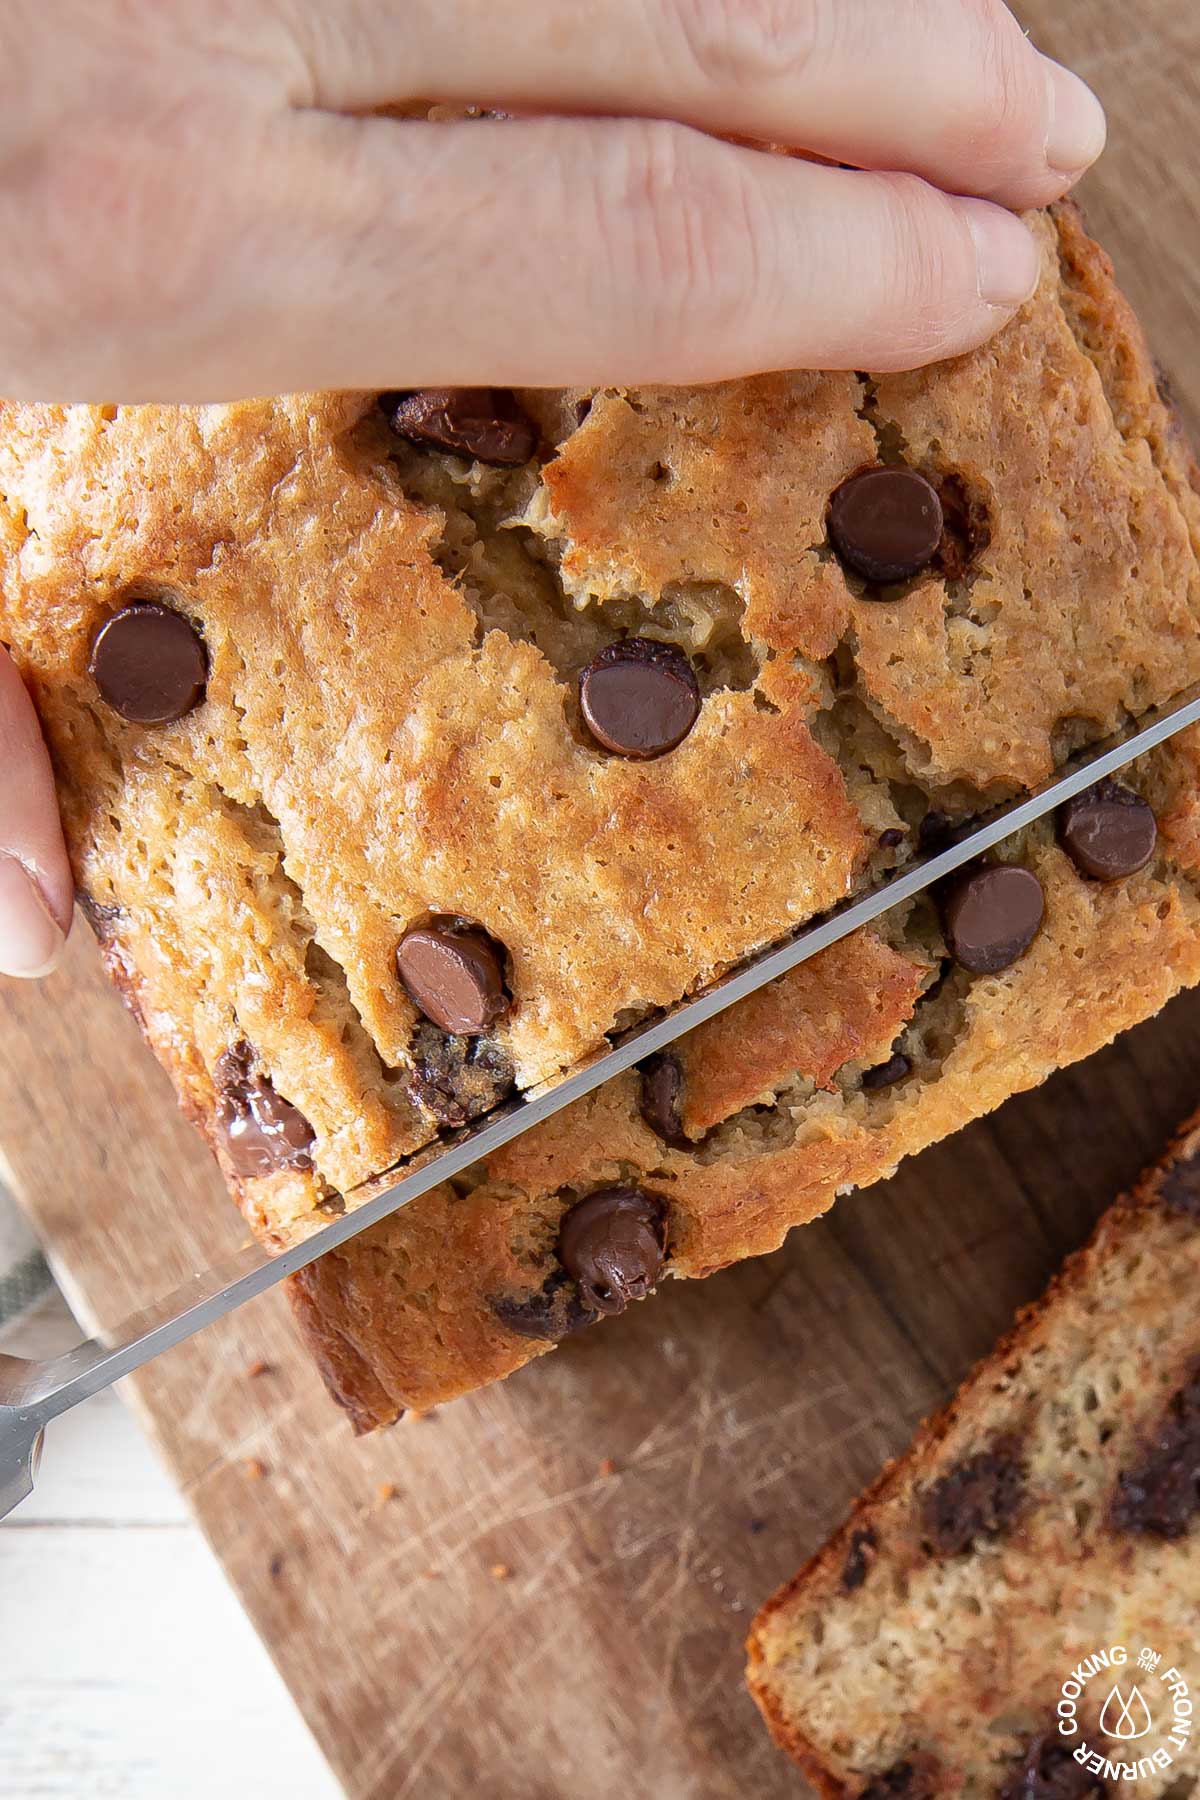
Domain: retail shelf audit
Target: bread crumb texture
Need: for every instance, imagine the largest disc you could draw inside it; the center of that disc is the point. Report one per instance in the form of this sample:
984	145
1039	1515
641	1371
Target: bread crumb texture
1050	1513
391	734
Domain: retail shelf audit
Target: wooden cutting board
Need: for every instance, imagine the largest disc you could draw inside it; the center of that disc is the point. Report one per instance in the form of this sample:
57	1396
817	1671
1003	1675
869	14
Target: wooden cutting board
646	1486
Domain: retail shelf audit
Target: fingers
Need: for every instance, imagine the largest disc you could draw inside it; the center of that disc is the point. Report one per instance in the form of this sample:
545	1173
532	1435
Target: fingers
548	252
374	253
947	89
36	888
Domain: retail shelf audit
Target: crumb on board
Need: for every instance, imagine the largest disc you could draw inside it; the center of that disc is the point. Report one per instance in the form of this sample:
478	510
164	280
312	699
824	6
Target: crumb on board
607	1467
258	1368
430	1574
500	1571
421	1416
254	1468
385	1491
275	1566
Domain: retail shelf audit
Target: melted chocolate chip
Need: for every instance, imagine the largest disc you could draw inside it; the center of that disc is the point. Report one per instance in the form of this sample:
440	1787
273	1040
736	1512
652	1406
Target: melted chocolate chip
149	663
551	1313
457	1079
662	1098
895	1069
1179	1188
639	698
966	532
1048	1771
486	425
892	838
886	523
991	915
454	974
938	831
1160	1495
263	1132
1108	832
909	1780
979	1498
859	1559
613	1243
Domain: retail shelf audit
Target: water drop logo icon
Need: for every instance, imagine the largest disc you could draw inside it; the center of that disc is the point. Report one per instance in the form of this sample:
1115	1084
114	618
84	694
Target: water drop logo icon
1124	1718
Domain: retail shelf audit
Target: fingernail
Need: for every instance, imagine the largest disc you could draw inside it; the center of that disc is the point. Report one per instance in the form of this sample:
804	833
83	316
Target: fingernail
1006	256
1078	129
30	941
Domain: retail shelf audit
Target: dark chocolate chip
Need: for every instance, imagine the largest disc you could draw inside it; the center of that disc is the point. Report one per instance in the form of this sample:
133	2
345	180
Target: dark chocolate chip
886	523
1108	832
639	698
895	1069
1179	1188
1048	1771
892	838
859	1559
149	663
938	831
454	973
913	1779
662	1098
613	1243
991	915
980	1497
263	1132
457	1079
1160	1495
486	425
551	1312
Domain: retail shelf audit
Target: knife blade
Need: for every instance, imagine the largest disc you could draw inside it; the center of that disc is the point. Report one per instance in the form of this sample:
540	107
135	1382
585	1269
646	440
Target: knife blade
34	1392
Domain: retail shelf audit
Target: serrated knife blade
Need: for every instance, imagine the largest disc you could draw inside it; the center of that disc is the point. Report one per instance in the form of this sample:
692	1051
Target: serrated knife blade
34	1392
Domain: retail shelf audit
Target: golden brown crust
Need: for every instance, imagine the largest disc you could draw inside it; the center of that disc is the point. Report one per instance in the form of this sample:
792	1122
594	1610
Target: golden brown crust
390	730
1127	1265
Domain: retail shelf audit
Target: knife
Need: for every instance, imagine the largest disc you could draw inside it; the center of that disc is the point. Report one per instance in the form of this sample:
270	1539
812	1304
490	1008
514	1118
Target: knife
34	1392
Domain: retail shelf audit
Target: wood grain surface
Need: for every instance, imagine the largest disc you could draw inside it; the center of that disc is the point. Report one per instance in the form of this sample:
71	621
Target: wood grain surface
645	1487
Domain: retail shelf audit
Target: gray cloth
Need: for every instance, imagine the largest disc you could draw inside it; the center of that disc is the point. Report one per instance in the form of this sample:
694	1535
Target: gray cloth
24	1276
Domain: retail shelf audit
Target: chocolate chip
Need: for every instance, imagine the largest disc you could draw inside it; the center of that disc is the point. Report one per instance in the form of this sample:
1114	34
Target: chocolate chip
1048	1771
263	1132
639	698
886	523
1179	1188
613	1243
991	915
913	1779
938	831
1160	1495
486	425
457	1079
149	663
980	1497
859	1559
454	973
662	1098
1108	832
551	1312
895	1069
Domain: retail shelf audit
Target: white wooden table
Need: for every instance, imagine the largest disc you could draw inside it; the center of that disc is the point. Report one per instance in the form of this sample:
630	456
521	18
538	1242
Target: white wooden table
130	1671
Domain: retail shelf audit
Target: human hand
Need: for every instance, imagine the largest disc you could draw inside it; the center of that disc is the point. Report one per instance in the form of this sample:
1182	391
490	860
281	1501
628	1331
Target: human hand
203	211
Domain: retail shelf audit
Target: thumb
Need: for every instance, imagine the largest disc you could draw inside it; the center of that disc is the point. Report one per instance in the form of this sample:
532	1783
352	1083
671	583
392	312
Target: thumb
36	888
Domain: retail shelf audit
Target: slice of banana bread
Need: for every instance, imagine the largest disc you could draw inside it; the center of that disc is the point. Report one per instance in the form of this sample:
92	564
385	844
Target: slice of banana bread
408	743
1011	1610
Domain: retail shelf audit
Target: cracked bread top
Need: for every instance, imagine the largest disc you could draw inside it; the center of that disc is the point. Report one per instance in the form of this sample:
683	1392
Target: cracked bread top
391	730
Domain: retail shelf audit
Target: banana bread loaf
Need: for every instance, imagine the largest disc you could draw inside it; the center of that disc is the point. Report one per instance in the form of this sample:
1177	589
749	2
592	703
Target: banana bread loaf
408	743
1011	1610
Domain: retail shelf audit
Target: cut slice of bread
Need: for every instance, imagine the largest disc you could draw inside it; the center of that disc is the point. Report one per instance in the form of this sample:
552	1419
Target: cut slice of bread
988	1619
